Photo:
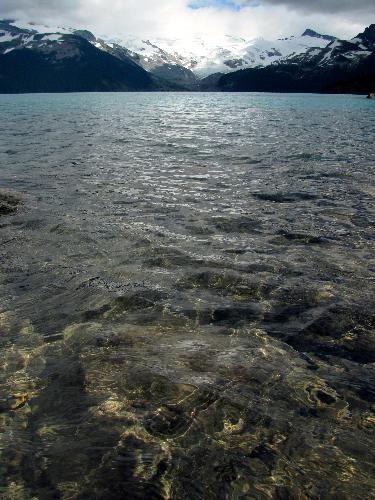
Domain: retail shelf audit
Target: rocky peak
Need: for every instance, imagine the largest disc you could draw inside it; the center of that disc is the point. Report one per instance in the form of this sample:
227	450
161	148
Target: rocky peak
369	34
314	34
7	25
87	35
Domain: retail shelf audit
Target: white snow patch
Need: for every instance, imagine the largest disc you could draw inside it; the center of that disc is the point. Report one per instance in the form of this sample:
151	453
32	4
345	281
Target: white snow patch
52	38
7	37
315	52
356	55
42	28
327	56
335	44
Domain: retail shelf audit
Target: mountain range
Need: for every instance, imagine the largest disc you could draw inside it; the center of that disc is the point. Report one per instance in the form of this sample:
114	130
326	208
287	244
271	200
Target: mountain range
39	58
343	66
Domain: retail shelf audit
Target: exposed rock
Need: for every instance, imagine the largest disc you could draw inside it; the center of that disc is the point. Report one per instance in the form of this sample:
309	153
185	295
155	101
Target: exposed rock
371	95
314	34
87	35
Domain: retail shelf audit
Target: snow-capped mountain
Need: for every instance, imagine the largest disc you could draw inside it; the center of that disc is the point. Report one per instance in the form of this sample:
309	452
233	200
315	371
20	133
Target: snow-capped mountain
341	51
37	58
64	62
182	59
13	37
205	56
341	66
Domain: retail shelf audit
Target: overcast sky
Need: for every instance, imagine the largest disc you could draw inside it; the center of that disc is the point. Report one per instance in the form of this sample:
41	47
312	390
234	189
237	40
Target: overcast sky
180	18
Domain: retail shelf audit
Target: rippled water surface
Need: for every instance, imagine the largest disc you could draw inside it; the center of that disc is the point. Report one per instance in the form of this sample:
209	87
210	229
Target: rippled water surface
187	297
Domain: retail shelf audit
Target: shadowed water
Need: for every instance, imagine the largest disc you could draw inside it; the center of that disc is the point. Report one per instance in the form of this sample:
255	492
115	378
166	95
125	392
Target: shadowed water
187	296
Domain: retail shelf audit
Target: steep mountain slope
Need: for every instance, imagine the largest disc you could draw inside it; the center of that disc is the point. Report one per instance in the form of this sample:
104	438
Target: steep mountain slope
161	65
167	73
342	66
53	62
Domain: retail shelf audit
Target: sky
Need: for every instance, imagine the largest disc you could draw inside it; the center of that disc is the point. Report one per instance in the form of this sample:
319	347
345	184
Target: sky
249	19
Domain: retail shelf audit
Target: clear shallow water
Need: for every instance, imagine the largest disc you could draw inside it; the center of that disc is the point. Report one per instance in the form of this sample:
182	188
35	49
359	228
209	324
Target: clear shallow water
187	296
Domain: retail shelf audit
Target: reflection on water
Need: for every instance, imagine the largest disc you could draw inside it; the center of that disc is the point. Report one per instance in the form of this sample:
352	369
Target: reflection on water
187	292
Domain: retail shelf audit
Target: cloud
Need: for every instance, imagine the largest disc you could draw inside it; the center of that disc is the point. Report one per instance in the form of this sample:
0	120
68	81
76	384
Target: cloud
35	7
235	5
331	6
214	18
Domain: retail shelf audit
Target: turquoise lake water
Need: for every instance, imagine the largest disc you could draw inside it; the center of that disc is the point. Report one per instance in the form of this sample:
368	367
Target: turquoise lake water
187	292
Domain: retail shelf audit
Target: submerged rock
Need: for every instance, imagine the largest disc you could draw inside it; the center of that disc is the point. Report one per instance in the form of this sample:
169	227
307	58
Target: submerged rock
281	197
13	402
8	203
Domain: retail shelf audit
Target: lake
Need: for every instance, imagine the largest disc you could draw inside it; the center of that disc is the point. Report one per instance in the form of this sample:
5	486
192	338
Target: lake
187	292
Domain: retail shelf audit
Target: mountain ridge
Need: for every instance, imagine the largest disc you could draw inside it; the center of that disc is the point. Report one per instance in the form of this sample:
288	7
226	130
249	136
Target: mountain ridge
342	66
37	58
313	33
191	59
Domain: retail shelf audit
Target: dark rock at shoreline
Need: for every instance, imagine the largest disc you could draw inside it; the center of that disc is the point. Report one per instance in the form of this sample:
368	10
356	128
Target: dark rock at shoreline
371	95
